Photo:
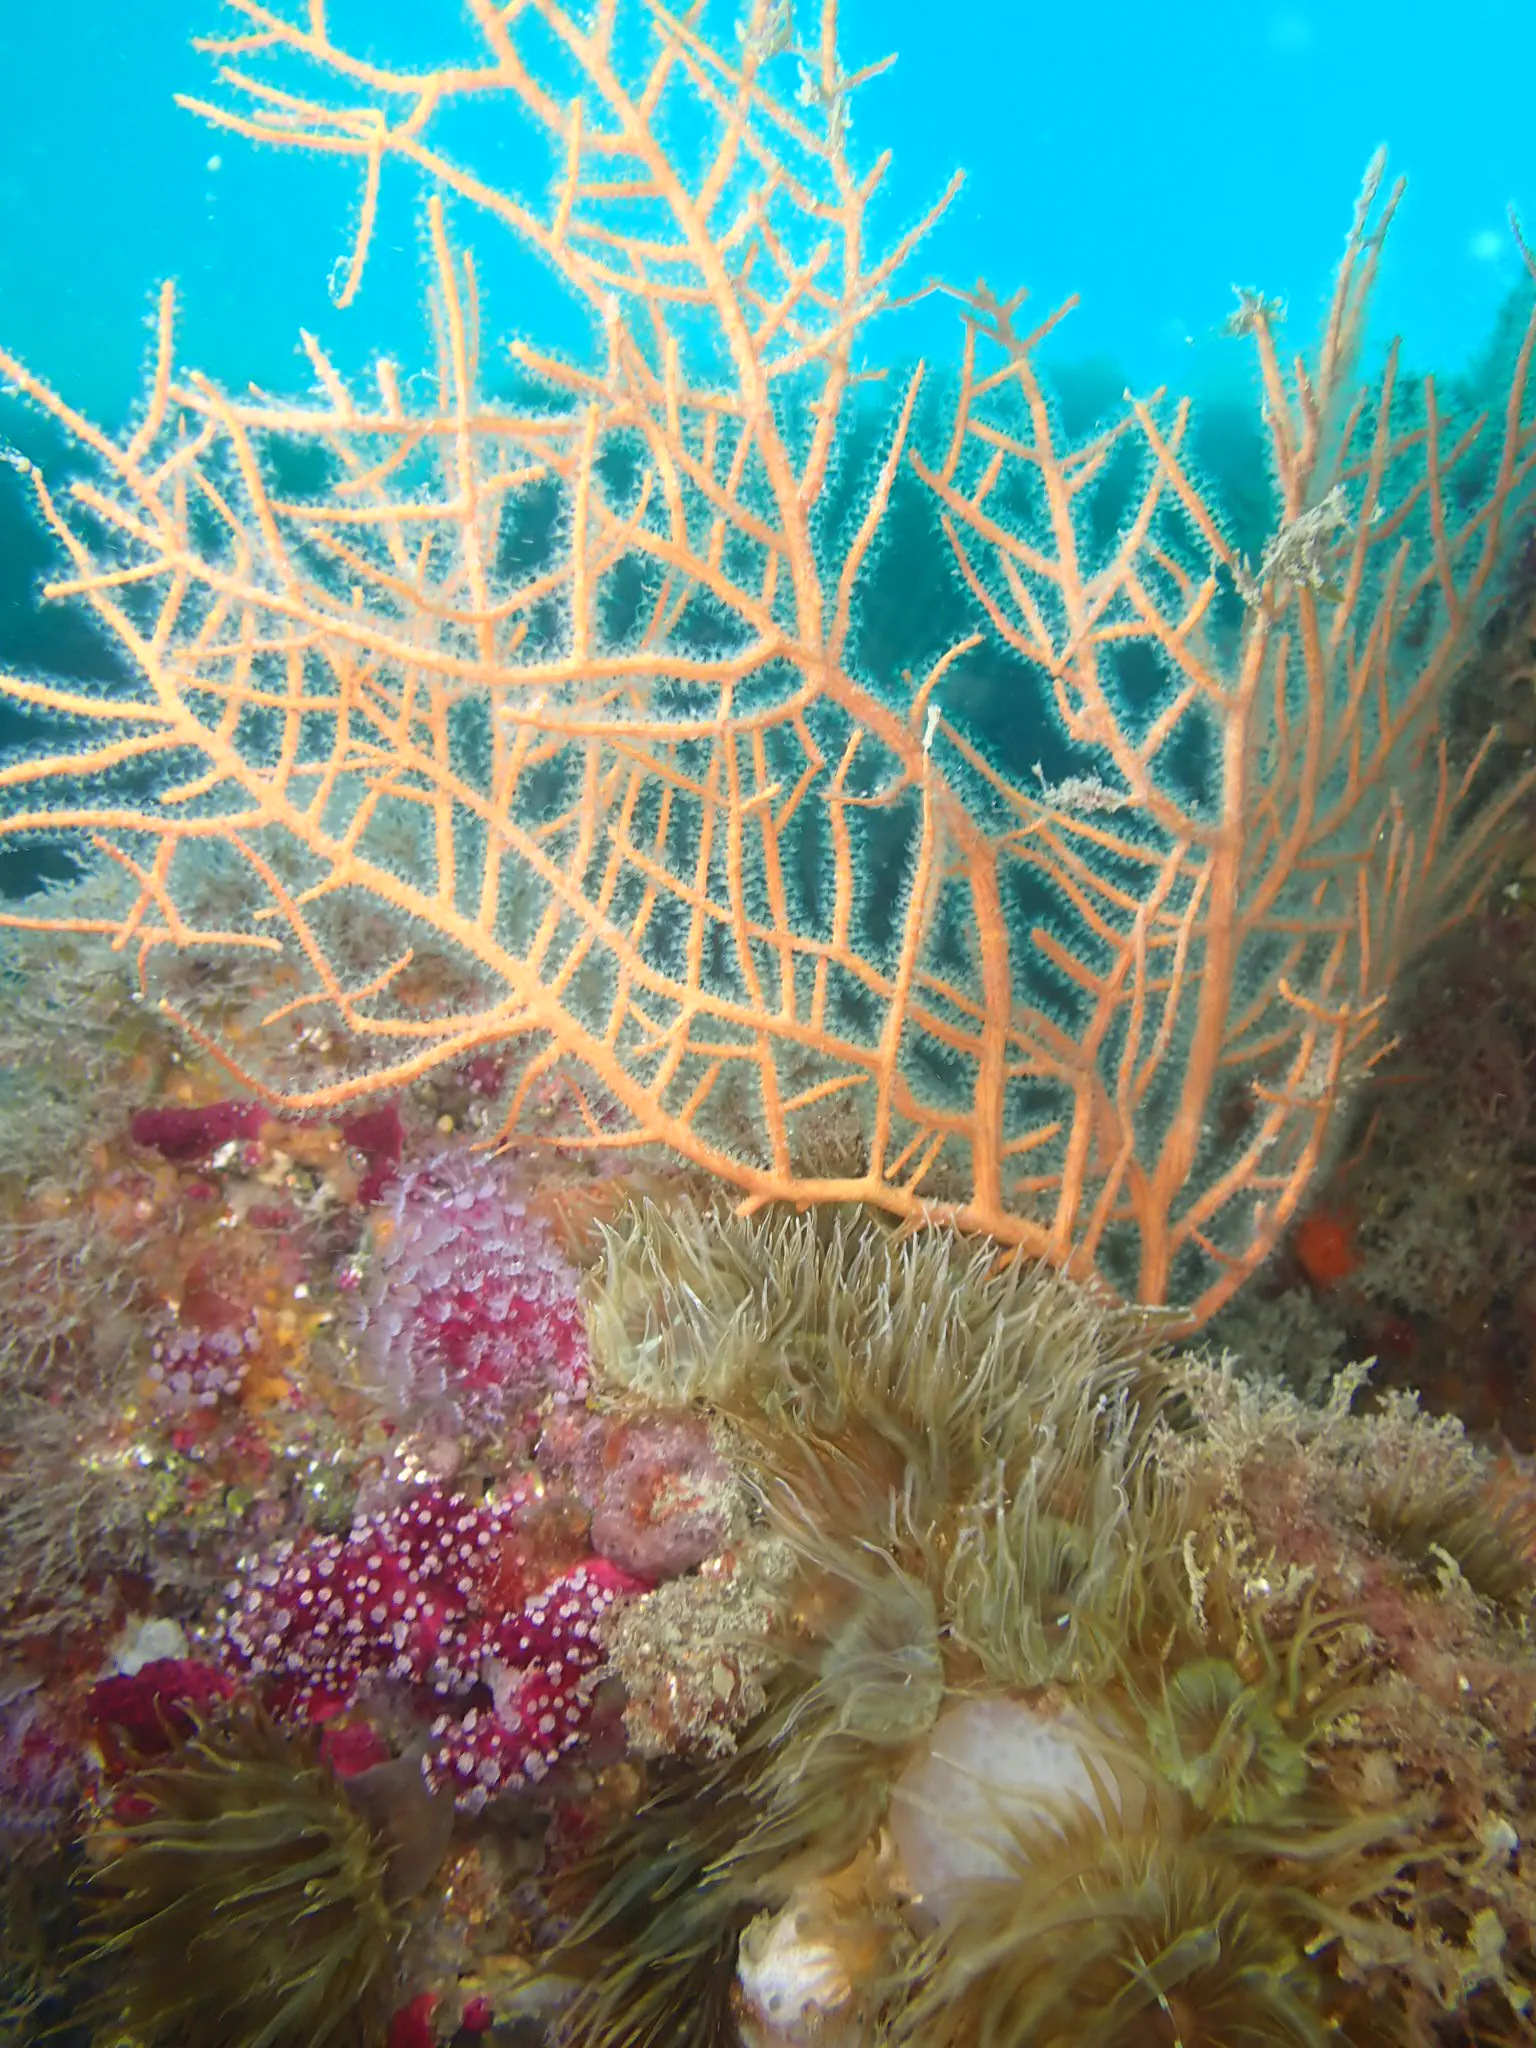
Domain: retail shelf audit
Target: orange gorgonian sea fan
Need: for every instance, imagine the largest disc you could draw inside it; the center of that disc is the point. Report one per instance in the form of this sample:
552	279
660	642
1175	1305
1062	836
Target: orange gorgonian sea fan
563	690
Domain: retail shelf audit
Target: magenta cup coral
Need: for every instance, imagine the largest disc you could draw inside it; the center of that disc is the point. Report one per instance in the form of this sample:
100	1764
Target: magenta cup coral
433	1607
469	1306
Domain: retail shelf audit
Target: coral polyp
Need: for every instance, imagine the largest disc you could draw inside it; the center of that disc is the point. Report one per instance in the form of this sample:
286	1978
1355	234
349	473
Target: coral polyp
434	1599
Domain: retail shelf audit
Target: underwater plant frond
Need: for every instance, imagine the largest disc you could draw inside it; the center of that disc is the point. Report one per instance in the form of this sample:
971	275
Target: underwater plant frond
245	1904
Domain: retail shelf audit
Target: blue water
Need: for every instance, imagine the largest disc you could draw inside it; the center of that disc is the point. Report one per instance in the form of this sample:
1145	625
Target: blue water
1145	156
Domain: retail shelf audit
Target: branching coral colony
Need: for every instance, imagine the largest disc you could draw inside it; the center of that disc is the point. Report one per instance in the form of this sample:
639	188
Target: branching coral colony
567	690
450	1588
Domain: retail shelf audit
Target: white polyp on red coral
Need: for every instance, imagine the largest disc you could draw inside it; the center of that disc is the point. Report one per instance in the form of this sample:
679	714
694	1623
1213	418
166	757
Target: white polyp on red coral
541	1687
469	1301
192	1367
433	1598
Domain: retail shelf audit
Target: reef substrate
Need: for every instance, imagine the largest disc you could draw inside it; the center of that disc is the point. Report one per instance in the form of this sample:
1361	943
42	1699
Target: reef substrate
454	1594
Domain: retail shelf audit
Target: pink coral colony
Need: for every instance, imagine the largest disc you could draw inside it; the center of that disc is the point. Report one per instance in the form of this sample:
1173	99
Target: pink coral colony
468	1299
432	1597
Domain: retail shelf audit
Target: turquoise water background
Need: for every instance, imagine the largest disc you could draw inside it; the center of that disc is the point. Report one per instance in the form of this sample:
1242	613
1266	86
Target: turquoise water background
1146	157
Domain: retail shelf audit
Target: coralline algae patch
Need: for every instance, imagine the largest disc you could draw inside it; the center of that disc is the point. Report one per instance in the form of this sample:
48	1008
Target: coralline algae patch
175	1351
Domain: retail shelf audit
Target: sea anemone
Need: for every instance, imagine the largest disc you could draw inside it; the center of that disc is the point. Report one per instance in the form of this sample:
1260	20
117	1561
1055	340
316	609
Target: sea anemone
695	1302
1102	1937
1238	1733
872	1382
1221	1743
890	1404
1487	1533
1053	1753
658	1911
242	1901
661	1904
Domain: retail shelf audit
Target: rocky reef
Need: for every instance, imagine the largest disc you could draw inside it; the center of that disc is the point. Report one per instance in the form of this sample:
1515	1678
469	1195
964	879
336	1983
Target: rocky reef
454	1595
